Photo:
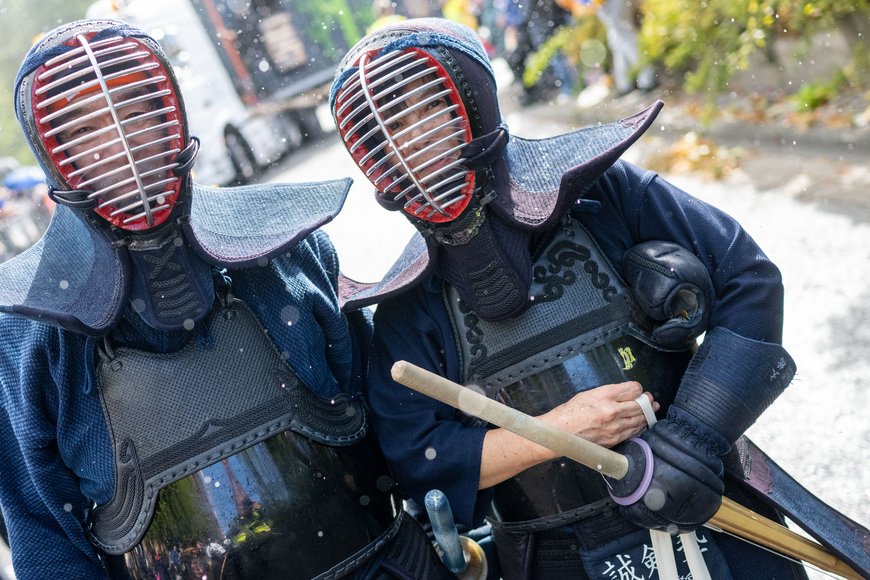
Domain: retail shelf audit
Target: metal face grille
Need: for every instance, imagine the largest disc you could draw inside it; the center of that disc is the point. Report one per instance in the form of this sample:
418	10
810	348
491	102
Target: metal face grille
110	121
404	123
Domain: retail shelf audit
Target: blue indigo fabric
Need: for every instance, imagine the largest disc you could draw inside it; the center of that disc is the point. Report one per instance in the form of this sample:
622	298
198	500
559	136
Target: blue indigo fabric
429	446
54	446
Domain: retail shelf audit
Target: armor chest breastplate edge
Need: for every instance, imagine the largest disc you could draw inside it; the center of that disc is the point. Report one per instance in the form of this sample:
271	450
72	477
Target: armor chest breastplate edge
171	414
578	302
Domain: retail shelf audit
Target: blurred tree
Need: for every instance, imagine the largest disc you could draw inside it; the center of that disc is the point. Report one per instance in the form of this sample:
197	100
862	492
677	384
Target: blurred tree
852	18
579	42
22	22
704	43
350	17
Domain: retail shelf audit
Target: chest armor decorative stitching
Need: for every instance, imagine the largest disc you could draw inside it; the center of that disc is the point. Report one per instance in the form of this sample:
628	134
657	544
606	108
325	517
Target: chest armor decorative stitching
580	332
276	481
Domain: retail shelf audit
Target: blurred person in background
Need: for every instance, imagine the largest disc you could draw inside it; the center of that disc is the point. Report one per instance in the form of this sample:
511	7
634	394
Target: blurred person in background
174	366
620	19
571	285
417	9
533	23
25	208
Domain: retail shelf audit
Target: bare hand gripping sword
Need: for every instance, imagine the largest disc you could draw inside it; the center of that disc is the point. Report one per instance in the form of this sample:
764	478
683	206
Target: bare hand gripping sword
731	517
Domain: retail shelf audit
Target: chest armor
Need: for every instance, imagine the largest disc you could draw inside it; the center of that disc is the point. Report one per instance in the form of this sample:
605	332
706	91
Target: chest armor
581	332
227	466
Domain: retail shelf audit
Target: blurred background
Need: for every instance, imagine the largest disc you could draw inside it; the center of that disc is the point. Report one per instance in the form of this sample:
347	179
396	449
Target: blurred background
767	115
255	75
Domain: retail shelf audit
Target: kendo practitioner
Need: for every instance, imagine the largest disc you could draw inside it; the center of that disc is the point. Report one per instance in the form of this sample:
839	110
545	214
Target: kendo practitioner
179	388
542	269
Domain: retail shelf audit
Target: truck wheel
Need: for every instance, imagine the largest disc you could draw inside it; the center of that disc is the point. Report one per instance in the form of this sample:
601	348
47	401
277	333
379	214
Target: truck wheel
241	155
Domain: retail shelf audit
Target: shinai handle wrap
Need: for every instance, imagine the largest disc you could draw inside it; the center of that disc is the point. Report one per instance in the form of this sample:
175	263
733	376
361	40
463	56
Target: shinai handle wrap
731	517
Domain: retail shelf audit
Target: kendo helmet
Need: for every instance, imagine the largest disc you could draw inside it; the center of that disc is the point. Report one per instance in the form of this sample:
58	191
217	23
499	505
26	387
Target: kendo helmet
415	105
101	107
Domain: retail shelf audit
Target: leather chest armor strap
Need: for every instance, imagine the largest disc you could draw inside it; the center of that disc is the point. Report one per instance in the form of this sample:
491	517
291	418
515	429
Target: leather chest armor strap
172	414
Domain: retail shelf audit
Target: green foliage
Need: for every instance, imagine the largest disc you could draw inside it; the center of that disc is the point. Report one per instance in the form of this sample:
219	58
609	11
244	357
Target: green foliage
327	15
571	41
12	143
851	18
813	95
539	60
705	42
810	15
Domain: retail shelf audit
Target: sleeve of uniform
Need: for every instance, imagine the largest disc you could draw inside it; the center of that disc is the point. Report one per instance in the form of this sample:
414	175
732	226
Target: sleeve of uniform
359	322
297	302
740	367
639	206
342	352
40	496
427	444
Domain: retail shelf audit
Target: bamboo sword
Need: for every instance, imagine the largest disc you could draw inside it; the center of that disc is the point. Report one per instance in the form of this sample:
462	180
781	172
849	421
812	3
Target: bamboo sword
731	517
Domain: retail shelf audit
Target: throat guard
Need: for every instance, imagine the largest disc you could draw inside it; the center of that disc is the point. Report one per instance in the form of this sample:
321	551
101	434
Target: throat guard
171	287
266	476
545	176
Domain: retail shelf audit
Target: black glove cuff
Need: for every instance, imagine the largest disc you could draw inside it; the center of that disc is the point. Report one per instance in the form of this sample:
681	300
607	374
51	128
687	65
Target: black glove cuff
731	380
685	432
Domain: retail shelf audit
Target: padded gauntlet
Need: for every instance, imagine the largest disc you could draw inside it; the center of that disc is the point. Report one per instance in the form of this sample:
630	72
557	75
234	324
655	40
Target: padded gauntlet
673	288
730	381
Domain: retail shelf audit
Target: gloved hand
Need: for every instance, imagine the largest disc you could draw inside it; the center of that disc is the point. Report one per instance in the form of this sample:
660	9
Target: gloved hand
673	288
730	381
686	487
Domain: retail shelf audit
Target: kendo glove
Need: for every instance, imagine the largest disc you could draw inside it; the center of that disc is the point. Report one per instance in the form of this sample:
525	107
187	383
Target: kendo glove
686	487
730	381
673	288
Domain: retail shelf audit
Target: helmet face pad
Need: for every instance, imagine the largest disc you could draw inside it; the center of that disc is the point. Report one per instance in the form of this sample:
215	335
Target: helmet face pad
108	117
405	123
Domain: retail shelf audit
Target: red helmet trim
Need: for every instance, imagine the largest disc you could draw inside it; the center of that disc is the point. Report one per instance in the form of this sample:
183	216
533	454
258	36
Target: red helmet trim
369	163
168	101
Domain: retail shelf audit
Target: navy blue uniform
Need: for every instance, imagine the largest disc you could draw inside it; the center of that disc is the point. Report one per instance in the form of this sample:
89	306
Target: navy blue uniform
56	454
428	446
